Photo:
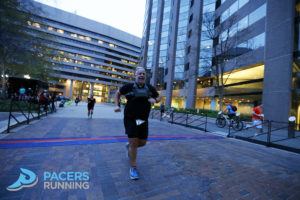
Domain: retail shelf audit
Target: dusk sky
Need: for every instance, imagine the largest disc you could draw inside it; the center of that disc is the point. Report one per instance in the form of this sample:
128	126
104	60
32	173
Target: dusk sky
126	15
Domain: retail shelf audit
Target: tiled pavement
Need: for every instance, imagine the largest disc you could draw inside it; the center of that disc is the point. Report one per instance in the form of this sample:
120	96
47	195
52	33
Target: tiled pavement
169	169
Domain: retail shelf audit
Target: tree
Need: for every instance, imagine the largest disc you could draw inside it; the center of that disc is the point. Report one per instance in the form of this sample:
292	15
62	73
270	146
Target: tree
223	49
23	49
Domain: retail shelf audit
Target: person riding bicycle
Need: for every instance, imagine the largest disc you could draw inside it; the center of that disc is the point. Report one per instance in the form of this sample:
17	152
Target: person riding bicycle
230	111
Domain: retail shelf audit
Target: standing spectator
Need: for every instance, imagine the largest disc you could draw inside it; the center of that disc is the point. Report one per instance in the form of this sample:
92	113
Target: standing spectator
91	104
162	110
257	117
22	93
53	99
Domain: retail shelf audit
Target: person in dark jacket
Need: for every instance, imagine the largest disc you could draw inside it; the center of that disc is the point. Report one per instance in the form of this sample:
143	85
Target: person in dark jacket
91	104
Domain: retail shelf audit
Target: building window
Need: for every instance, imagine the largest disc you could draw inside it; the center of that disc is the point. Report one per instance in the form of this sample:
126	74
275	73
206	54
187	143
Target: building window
100	42
36	25
186	66
188	50
60	31
191	18
192	3
190	33
50	28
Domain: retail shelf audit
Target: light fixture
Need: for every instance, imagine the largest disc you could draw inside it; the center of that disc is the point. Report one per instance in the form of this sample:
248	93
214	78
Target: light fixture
27	76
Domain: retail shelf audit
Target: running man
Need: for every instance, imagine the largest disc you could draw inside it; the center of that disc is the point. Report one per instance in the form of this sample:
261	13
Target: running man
91	104
140	97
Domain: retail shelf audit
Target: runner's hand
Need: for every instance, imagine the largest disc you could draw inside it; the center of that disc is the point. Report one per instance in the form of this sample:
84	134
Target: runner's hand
117	109
151	100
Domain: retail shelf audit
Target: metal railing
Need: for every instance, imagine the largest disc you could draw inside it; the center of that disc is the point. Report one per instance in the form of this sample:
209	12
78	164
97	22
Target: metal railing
184	119
272	133
29	110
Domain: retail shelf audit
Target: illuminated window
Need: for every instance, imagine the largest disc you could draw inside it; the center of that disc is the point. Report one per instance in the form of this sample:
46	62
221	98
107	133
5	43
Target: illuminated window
60	31
88	38
133	63
29	22
76	68
50	28
112	45
100	41
92	65
74	34
36	25
61	52
81	37
124	60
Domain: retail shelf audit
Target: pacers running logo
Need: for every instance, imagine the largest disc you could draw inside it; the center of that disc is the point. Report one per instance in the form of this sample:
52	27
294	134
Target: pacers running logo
26	179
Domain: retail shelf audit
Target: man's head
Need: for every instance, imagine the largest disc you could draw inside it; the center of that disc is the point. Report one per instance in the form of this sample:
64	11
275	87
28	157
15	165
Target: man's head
140	76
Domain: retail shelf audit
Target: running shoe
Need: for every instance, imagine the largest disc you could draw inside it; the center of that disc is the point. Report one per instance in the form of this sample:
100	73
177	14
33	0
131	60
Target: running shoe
133	173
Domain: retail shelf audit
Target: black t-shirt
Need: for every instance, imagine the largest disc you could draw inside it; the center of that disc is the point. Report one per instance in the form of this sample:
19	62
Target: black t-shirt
91	102
137	107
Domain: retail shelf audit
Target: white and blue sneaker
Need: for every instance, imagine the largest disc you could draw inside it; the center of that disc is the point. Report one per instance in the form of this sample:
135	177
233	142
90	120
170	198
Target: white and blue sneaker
133	173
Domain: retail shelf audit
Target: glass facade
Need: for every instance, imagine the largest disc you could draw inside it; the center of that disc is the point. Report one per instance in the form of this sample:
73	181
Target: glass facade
152	34
206	46
181	39
244	28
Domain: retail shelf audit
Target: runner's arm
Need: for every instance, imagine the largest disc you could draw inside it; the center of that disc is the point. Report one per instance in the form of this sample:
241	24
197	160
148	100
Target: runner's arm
117	99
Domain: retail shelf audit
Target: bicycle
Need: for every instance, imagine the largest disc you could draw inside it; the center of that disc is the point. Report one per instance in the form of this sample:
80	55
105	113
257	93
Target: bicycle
235	122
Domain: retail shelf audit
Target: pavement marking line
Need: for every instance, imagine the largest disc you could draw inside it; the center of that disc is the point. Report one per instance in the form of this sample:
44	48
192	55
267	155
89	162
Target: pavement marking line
23	143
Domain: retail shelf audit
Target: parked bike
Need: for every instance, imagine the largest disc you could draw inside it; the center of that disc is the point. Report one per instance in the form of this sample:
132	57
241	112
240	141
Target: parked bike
235	122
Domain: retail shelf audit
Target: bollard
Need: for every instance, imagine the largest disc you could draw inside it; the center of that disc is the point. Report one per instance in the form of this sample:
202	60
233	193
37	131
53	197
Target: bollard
186	120
206	122
228	135
269	133
291	128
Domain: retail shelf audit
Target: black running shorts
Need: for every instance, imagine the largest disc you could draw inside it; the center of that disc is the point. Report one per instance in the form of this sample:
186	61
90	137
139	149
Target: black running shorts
136	131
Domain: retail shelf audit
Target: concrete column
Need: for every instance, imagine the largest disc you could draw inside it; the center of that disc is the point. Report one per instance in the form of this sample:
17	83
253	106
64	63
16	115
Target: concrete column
172	53
108	94
193	57
278	59
71	89
91	89
156	49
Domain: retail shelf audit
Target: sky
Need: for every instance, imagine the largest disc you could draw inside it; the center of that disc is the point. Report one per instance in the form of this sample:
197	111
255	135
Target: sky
126	15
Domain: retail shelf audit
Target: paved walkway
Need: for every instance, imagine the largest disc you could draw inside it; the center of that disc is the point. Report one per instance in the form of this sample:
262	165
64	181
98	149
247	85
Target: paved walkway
187	164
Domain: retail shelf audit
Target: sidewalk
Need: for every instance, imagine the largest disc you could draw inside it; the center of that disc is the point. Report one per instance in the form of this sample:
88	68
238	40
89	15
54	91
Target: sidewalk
177	163
279	132
19	116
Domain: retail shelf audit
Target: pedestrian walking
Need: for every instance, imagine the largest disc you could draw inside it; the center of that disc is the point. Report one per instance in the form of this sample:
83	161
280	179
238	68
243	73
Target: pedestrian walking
77	100
257	117
91	104
140	96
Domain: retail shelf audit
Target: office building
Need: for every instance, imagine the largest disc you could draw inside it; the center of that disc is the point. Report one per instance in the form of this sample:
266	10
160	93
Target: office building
93	58
261	64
